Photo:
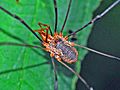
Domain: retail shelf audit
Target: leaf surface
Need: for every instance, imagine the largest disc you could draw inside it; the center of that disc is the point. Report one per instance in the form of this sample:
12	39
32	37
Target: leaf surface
12	57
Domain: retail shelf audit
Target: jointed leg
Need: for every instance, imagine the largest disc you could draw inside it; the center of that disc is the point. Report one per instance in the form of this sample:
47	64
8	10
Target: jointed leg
98	52
55	74
47	27
22	68
97	17
56	15
21	20
82	79
66	17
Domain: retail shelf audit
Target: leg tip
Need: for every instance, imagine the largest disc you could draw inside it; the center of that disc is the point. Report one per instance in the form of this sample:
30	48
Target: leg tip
91	88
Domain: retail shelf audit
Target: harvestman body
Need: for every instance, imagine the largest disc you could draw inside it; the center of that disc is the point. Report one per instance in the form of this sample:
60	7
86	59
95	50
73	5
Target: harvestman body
59	46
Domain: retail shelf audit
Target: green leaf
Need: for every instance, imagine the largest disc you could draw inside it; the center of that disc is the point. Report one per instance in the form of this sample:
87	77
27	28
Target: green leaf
12	57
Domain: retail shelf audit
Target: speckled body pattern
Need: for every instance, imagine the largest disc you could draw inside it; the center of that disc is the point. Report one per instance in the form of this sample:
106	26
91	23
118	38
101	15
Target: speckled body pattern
60	48
68	52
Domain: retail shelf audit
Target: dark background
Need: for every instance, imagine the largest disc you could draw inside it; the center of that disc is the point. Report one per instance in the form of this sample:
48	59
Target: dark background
101	72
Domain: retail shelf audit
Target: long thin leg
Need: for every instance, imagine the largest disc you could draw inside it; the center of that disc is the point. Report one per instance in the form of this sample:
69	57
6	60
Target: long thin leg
56	15
56	81
24	45
98	52
18	44
19	19
11	35
97	17
31	66
55	74
22	68
83	80
67	13
20	40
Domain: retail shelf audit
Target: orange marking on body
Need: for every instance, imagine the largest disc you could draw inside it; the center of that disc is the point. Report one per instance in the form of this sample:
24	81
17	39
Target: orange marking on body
57	45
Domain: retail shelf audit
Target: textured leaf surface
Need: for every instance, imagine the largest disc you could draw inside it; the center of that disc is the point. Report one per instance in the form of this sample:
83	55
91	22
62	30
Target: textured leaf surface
11	57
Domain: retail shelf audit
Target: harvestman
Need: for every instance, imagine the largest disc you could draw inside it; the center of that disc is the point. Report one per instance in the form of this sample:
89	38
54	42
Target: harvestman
56	44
